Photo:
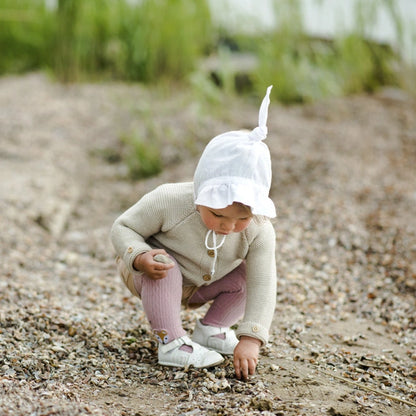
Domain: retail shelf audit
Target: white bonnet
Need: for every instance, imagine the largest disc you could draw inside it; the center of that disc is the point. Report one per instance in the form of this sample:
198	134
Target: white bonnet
236	167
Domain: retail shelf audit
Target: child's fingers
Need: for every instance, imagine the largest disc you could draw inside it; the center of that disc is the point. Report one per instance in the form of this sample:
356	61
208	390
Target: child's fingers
158	274
241	369
252	364
160	270
161	267
237	369
245	368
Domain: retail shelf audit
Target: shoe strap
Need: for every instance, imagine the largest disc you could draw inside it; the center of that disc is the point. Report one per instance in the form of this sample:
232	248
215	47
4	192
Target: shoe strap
211	331
178	342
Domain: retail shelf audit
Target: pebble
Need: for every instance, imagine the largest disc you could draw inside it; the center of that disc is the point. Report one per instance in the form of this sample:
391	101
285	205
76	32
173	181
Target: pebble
161	258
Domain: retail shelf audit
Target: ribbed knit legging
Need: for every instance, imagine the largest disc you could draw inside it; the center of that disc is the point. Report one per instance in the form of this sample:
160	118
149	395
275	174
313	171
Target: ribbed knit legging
161	301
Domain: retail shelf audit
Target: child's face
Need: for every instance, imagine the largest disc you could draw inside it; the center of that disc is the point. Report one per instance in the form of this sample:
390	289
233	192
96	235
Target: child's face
231	219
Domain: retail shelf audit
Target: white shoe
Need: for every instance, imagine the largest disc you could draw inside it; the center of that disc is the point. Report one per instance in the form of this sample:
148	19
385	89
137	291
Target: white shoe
206	335
170	354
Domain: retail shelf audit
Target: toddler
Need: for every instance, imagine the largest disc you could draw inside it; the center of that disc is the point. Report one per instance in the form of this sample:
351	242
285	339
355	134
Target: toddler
210	240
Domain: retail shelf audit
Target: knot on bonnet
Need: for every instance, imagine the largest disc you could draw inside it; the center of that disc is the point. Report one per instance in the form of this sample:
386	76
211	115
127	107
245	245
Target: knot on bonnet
260	132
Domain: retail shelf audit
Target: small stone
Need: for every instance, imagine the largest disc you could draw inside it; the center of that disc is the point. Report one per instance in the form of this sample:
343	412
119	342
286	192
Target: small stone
72	331
261	404
161	258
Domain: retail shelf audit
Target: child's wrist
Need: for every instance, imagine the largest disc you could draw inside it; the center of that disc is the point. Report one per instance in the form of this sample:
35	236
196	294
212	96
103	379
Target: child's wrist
251	340
137	262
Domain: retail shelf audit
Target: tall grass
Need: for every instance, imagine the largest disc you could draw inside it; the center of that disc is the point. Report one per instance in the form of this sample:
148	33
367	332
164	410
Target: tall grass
304	69
26	33
165	38
141	41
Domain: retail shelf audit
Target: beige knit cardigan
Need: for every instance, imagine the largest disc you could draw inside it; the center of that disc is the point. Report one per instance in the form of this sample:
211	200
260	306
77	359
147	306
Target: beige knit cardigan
167	218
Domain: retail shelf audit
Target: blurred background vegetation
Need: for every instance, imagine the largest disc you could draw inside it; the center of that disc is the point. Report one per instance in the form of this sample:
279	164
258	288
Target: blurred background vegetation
179	42
152	40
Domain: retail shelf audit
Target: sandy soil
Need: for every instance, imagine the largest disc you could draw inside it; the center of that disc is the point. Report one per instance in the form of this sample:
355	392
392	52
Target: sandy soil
74	342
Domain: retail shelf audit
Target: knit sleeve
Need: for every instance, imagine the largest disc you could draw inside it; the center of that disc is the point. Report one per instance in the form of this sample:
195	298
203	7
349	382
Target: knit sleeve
131	229
261	285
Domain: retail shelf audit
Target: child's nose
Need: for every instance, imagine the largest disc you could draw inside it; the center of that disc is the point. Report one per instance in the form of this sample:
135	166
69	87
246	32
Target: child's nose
228	226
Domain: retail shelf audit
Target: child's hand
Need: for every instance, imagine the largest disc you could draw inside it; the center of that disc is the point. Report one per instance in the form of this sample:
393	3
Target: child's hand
154	269
246	355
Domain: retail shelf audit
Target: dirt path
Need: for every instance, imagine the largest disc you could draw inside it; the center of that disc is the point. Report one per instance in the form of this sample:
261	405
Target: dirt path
72	340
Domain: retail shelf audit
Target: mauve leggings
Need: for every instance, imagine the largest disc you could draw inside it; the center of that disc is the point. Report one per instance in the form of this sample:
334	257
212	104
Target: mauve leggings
161	301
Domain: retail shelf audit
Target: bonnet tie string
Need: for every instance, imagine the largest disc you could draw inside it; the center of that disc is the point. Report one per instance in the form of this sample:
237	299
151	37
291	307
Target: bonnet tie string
260	132
214	247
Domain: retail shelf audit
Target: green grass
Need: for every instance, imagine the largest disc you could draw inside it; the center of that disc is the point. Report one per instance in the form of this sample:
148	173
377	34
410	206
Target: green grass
142	156
165	39
26	33
114	39
304	69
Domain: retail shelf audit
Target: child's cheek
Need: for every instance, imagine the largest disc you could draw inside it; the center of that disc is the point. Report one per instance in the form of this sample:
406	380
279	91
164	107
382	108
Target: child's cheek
213	224
209	223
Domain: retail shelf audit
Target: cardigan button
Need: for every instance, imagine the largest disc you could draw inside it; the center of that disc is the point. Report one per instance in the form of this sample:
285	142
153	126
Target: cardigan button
211	253
206	277
130	250
255	329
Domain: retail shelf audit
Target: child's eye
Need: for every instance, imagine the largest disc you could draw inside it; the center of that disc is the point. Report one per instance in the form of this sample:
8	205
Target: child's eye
216	215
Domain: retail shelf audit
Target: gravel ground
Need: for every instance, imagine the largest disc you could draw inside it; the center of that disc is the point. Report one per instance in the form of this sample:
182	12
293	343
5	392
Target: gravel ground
74	342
